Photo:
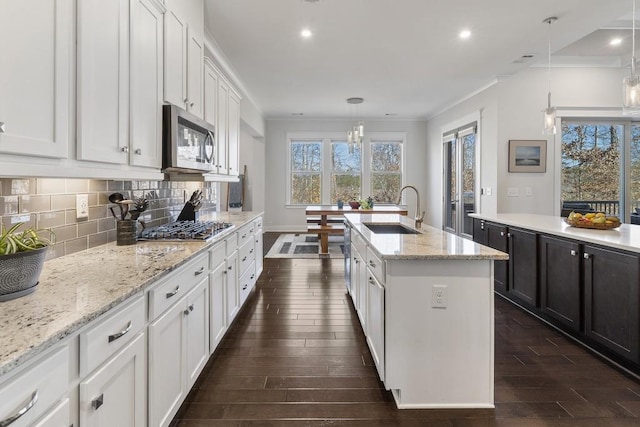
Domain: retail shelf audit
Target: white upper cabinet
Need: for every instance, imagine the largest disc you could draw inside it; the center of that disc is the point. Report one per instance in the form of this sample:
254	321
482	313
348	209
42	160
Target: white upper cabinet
146	84
35	77
103	81
184	55
233	128
222	127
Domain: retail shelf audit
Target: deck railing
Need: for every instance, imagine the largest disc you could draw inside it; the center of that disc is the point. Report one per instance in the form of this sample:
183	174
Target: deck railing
611	207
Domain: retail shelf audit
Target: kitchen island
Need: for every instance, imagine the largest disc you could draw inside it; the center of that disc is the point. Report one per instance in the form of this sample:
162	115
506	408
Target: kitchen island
425	302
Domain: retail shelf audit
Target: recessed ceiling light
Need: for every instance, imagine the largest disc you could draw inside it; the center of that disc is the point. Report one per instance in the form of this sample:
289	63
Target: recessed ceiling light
297	114
306	33
464	34
615	42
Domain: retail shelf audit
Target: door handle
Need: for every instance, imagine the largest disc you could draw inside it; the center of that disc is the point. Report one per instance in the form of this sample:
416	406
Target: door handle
97	402
120	334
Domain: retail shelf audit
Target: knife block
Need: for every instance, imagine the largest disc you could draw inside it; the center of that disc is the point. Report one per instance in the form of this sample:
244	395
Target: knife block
188	213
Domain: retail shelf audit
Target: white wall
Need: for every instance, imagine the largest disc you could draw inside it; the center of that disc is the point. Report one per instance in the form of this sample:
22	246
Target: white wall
279	217
512	109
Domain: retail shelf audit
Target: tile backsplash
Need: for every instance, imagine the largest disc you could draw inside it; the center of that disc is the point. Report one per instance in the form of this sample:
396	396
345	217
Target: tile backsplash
51	203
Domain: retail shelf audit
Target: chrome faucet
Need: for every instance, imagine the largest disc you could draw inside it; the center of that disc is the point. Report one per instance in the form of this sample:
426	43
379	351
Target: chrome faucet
419	216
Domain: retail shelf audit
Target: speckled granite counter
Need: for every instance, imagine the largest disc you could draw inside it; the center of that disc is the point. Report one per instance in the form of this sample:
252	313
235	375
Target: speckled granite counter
431	243
78	288
626	237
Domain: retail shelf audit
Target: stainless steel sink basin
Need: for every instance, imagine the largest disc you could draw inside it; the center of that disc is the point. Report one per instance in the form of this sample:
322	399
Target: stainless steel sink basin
391	228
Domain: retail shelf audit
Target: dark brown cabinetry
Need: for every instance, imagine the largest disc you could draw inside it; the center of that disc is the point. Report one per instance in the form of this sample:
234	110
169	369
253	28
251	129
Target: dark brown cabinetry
494	236
523	266
612	310
560	284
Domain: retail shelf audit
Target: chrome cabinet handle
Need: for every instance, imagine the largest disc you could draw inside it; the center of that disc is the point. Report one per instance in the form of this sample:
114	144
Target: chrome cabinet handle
121	333
138	151
573	252
3	128
28	405
191	104
508	234
372	264
502	233
97	402
244	259
244	287
186	312
199	272
124	149
191	307
251	251
224	272
186	100
371	281
252	276
174	293
586	256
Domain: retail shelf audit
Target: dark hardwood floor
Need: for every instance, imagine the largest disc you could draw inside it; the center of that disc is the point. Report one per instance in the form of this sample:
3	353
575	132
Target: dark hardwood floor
296	356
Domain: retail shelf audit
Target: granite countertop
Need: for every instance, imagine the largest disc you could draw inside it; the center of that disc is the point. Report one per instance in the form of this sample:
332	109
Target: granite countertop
625	237
431	243
75	289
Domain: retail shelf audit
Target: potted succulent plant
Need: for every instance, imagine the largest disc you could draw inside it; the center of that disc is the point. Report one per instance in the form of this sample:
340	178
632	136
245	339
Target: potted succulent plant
22	255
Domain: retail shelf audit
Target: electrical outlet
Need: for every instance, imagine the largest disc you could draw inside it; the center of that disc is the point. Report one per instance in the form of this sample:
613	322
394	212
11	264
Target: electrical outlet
528	191
512	192
82	206
439	296
487	191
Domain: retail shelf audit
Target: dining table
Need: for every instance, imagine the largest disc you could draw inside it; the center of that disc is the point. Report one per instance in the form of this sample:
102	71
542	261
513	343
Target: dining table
326	212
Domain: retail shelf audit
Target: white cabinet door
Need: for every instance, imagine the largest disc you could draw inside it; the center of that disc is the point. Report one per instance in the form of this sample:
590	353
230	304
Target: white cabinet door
217	305
114	395
197	333
375	321
259	253
356	260
211	94
195	71
167	382
103	81
362	293
233	143
222	129
175	58
146	84
35	76
231	287
60	416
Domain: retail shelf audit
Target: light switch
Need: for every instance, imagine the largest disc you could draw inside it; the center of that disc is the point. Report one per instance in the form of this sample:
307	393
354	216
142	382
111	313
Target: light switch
528	191
512	192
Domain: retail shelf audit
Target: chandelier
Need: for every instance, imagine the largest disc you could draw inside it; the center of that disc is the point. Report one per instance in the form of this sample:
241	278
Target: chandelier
631	84
355	135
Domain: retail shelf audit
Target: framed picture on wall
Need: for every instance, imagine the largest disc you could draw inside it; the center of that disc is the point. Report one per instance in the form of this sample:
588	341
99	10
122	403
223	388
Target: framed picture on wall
527	155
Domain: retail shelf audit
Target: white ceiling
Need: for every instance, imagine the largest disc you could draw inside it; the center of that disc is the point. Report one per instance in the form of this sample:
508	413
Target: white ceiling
402	56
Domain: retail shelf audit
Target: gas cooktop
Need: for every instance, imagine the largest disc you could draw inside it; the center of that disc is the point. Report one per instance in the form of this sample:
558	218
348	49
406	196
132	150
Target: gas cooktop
184	230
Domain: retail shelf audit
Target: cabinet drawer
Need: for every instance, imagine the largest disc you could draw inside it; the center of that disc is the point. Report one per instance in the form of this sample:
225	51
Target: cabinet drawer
376	265
35	390
257	225
358	242
216	255
231	243
245	234
109	334
246	255
247	281
177	285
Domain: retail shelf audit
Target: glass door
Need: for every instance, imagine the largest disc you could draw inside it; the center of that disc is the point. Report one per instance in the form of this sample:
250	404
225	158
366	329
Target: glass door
460	146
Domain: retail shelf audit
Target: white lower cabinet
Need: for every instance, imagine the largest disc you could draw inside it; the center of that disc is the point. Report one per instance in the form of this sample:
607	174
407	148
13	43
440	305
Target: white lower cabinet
375	321
114	395
231	287
361	292
178	350
57	417
217	313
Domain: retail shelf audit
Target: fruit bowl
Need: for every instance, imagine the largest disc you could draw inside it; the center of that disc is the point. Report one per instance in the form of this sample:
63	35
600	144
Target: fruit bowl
581	223
354	205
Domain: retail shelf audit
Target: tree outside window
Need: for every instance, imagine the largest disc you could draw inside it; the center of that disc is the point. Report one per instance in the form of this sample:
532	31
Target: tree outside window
346	173
306	167
386	171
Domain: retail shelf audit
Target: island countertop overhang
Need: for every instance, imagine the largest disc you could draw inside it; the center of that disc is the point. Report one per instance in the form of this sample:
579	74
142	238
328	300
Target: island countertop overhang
430	243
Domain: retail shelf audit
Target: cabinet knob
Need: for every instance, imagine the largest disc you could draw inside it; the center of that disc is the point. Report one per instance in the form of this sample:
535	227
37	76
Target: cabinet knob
138	151
3	129
586	256
573	252
186	100
230	268
124	149
191	307
372	264
191	104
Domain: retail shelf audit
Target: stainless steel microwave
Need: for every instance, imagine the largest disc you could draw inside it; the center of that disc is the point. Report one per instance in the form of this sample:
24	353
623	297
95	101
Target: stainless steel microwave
188	142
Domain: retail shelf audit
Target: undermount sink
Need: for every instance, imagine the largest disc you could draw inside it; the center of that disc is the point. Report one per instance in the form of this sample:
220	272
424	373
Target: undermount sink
391	228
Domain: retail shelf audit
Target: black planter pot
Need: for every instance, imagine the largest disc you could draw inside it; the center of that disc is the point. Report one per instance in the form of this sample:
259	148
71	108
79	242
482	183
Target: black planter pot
19	273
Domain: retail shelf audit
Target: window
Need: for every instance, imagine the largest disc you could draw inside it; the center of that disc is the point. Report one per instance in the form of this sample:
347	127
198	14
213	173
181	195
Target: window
386	171
346	175
306	172
600	167
326	168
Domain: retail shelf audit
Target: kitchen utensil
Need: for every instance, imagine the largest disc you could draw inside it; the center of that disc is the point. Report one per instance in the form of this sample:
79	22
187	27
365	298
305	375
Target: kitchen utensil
124	206
113	212
117	198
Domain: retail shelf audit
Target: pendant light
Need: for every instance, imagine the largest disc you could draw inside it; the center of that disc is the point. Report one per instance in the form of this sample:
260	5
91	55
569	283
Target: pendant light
549	114
355	135
631	84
